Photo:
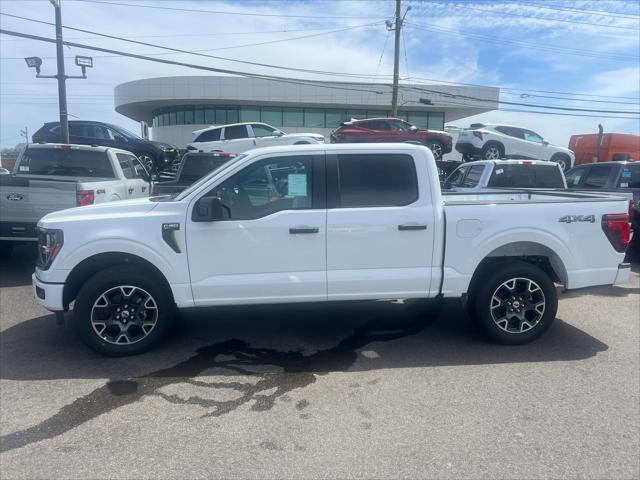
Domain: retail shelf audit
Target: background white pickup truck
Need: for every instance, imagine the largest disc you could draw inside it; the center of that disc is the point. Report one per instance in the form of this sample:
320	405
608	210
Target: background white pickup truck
323	223
51	177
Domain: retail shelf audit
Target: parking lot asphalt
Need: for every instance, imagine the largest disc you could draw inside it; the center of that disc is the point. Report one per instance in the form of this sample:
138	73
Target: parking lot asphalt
323	392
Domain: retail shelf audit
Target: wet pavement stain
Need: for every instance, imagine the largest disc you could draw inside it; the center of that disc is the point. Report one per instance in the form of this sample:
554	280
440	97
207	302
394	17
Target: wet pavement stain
235	358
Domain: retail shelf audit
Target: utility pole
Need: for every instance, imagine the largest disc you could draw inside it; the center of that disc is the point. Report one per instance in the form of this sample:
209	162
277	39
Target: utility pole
82	62
396	57
25	133
62	87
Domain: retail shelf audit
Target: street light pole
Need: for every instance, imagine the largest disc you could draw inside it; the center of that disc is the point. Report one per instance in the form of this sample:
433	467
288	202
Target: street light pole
396	62
62	87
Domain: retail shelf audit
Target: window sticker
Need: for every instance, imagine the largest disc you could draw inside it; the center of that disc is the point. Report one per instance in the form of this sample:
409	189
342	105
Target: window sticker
499	171
624	185
297	183
576	179
24	168
626	174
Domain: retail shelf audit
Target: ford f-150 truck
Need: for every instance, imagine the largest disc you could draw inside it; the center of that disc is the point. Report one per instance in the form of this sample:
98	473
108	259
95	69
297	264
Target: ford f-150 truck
51	177
317	223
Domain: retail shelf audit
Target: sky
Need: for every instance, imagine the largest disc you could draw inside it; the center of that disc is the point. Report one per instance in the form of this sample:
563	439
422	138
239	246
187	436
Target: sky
578	54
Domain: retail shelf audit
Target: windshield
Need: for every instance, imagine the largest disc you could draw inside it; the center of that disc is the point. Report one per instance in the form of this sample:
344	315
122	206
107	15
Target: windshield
186	192
526	176
125	132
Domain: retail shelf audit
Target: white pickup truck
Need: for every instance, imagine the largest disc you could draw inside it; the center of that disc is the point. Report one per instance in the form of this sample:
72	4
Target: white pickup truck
325	223
51	177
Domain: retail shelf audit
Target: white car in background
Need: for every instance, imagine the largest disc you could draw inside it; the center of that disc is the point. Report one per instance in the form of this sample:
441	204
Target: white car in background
493	142
240	137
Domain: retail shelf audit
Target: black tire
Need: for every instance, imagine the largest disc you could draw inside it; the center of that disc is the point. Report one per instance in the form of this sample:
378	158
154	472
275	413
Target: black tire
109	280
563	160
531	287
437	148
148	159
490	150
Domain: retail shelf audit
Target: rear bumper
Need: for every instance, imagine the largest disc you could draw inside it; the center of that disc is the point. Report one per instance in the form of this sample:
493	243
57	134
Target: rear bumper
49	295
467	148
624	271
19	231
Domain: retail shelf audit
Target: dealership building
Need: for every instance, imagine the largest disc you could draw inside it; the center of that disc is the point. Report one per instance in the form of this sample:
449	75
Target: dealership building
176	106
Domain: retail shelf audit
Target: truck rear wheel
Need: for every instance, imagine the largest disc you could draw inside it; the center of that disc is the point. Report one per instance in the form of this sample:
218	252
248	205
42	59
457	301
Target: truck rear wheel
122	311
515	303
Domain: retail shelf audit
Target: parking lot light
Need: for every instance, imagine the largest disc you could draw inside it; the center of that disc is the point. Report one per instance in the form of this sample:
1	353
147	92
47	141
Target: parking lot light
34	62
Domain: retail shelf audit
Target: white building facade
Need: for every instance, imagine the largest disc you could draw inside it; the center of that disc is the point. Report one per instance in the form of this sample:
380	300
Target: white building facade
176	106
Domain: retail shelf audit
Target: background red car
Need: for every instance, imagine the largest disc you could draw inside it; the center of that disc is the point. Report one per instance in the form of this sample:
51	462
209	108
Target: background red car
388	130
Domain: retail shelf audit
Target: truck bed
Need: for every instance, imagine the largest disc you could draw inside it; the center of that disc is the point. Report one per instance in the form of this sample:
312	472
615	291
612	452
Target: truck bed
521	196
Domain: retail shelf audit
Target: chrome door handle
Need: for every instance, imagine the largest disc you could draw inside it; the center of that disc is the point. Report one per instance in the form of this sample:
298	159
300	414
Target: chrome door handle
411	226
296	230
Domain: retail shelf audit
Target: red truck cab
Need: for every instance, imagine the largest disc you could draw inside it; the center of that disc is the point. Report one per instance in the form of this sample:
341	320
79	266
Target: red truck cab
613	147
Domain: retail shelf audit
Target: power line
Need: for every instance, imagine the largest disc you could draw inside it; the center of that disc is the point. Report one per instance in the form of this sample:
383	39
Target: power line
194	66
521	104
511	14
535	46
580	10
195	52
221	12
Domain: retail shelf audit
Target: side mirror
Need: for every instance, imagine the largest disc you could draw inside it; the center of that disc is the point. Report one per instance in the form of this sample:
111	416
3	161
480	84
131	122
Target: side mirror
278	133
208	209
545	143
413	128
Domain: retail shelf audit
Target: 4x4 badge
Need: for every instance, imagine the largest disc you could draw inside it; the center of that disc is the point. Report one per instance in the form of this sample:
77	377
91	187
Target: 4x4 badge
577	218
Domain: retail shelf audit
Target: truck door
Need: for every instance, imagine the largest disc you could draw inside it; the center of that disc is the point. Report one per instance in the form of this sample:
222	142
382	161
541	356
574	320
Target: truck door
271	246
380	226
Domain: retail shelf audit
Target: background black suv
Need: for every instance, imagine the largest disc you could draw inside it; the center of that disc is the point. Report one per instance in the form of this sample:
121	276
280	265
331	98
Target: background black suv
155	156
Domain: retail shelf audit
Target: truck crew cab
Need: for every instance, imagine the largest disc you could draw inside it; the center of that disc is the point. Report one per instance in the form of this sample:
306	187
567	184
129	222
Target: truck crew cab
325	223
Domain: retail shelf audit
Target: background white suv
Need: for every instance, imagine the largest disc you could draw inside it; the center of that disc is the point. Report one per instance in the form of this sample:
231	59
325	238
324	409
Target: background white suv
240	137
492	142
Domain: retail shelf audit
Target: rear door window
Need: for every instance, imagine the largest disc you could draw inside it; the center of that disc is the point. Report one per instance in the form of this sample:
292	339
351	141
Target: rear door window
125	165
209	136
629	177
235	132
376	180
526	176
597	177
66	163
511	131
473	177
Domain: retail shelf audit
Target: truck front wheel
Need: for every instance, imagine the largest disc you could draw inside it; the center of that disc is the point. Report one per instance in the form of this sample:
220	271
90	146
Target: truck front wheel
122	311
515	303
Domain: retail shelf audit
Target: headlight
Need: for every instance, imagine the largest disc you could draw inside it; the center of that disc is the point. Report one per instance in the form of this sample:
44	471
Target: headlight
49	244
167	148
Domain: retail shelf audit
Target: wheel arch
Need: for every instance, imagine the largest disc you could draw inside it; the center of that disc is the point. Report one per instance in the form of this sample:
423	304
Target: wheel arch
534	253
93	264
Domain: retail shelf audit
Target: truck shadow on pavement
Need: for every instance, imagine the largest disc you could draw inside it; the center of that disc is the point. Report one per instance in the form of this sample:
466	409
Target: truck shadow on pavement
263	354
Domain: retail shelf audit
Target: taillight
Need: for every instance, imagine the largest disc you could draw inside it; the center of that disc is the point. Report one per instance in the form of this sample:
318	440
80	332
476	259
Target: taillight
85	197
478	134
617	229
65	147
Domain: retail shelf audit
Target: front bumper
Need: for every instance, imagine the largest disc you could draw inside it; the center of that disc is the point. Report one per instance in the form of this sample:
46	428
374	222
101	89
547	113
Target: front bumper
49	295
167	157
19	231
624	271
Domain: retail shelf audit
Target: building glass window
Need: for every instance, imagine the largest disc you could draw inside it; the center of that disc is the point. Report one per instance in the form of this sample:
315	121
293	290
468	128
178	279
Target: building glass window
314	117
165	119
221	116
200	116
357	114
249	114
210	116
333	117
271	115
172	118
436	121
419	119
188	117
377	114
180	117
292	117
232	115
